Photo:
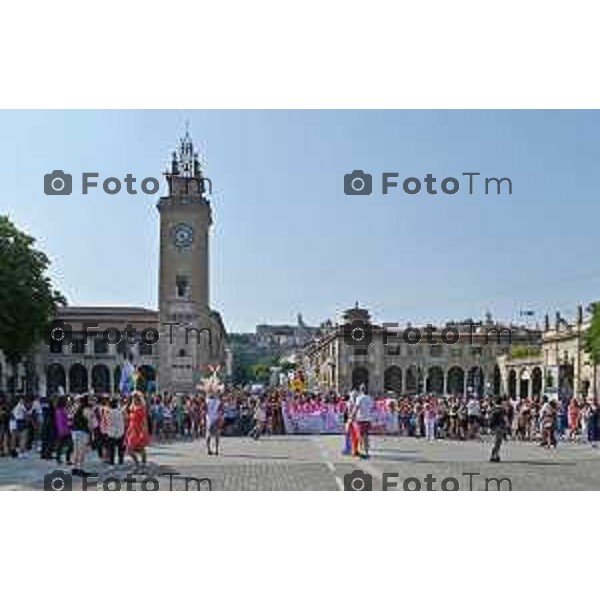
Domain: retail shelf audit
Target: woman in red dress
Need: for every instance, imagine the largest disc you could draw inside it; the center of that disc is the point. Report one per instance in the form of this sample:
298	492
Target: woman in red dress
137	437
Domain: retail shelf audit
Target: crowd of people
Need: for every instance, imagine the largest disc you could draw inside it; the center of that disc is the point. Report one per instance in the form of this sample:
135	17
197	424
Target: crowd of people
526	419
65	428
180	417
541	420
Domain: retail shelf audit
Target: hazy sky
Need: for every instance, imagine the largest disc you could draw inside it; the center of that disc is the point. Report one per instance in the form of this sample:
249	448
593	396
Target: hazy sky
286	239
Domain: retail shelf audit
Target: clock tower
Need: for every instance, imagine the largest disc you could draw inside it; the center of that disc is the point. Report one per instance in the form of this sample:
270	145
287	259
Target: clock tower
192	335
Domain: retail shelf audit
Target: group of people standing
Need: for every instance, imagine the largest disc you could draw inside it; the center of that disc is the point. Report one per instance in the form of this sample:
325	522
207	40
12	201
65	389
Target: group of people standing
185	416
541	420
538	419
67	428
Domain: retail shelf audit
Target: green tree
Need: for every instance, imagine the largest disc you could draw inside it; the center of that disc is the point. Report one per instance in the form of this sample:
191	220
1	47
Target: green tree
261	372
592	340
27	300
247	355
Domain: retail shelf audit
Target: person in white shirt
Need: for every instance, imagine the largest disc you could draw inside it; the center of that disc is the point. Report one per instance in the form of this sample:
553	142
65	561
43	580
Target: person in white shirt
430	420
116	432
213	422
362	414
474	416
20	415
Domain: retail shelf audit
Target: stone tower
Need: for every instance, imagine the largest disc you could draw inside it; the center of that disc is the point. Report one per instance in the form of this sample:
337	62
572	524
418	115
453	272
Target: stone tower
192	335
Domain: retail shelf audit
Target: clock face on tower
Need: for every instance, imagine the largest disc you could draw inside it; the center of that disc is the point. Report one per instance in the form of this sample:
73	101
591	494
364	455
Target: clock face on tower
182	236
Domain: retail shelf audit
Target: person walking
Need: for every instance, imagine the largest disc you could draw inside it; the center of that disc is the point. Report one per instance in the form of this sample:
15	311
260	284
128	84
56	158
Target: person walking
137	436
498	427
20	416
62	425
213	422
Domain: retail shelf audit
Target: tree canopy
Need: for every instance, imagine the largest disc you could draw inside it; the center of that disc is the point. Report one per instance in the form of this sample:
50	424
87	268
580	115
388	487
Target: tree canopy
27	300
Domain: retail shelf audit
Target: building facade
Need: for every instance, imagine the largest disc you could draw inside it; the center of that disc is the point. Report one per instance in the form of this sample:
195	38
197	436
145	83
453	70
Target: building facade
391	361
171	348
562	368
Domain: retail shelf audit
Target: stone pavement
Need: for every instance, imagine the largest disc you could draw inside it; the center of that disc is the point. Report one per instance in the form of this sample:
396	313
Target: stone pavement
316	463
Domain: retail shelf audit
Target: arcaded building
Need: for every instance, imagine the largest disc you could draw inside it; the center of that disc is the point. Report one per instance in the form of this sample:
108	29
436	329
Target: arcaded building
459	358
561	368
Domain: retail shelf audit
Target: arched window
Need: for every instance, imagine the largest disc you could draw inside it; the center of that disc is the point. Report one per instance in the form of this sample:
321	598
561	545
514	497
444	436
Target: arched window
512	383
411	380
360	376
476	381
392	379
78	379
536	382
456	381
497	388
55	378
435	380
101	379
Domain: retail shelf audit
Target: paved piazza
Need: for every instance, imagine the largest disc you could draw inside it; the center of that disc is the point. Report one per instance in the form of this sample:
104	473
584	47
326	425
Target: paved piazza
315	463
